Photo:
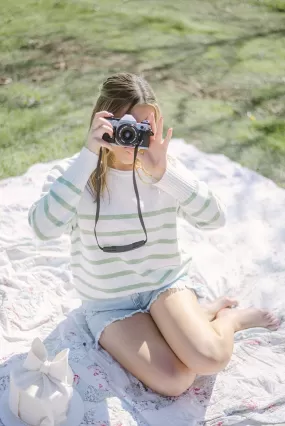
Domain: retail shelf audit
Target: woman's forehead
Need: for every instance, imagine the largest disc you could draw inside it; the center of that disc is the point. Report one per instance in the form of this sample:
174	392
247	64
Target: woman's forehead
139	112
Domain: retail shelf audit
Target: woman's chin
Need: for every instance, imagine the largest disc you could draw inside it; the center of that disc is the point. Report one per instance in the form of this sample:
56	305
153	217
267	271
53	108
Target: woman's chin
124	164
128	159
128	162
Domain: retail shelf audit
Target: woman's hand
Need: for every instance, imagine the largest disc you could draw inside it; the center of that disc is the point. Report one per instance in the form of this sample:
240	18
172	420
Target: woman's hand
154	159
99	126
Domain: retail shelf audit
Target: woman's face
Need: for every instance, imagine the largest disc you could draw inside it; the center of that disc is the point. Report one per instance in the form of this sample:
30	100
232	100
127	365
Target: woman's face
124	156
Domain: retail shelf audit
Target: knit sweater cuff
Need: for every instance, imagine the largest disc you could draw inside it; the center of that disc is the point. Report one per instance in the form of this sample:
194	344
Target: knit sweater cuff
177	182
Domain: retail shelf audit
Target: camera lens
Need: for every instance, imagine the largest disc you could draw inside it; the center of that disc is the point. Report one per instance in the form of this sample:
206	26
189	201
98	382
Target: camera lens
127	135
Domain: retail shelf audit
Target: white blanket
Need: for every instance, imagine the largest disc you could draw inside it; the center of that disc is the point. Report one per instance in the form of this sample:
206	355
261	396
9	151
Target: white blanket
246	259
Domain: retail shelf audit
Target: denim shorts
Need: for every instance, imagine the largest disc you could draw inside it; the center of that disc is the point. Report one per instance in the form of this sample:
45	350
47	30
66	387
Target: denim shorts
102	312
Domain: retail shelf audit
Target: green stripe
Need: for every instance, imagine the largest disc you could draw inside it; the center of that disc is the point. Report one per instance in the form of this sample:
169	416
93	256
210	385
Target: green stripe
70	185
36	229
129	262
130	215
114	274
129	232
119	289
206	204
160	241
83	294
49	216
192	196
62	202
217	215
52	218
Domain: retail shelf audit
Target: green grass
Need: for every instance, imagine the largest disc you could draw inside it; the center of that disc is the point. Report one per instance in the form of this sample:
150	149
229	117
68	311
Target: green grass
216	66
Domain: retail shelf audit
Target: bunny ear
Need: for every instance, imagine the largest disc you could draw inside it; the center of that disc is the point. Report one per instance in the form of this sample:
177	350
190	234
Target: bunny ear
62	356
59	367
36	356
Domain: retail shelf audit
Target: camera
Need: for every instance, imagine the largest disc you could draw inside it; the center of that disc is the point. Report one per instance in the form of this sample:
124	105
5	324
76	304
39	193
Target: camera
127	132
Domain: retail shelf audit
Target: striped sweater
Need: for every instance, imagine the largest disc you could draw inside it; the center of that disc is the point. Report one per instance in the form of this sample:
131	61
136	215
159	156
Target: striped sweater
67	206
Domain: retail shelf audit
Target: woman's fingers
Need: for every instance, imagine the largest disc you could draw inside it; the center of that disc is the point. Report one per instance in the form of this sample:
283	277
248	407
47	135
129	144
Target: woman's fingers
100	126
98	133
103	114
99	122
157	138
159	131
167	138
152	123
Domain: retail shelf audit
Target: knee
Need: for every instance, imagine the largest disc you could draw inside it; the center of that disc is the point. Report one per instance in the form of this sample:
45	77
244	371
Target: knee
212	364
175	381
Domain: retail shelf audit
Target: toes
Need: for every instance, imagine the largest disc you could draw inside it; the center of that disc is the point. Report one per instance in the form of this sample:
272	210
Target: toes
273	321
269	317
272	317
274	326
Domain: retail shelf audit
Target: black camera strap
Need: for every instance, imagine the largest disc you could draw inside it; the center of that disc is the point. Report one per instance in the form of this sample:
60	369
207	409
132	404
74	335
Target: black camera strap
128	247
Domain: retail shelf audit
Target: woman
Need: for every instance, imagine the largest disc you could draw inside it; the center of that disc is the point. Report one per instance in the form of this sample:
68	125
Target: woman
140	304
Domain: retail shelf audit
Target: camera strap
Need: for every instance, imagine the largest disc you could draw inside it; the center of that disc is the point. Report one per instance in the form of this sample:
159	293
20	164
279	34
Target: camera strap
127	247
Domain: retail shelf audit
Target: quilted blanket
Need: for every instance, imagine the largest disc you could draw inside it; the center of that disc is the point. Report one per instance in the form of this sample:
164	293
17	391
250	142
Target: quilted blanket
244	259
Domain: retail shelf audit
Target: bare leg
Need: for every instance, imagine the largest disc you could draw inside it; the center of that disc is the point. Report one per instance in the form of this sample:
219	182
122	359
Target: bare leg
205	347
212	308
229	321
249	318
137	344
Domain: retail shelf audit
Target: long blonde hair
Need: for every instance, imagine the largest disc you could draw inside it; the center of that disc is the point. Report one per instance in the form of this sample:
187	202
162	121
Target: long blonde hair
117	92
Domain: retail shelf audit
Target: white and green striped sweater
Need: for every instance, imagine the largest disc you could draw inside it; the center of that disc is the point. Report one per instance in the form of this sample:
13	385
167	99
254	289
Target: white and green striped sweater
66	206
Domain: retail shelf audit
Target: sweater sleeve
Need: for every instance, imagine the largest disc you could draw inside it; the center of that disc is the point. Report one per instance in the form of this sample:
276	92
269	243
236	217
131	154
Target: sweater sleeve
55	211
196	201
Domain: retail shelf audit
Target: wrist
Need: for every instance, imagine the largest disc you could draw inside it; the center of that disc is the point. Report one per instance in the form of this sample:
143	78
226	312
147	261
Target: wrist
92	148
157	174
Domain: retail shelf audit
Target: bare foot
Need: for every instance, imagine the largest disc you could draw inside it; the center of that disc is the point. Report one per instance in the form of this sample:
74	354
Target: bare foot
250	317
212	308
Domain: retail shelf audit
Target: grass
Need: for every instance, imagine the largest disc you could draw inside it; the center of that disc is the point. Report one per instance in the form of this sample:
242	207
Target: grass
217	68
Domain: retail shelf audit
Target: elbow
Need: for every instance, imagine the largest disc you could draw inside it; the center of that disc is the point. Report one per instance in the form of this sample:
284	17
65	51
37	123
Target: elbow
48	233
34	226
217	222
37	234
221	221
220	218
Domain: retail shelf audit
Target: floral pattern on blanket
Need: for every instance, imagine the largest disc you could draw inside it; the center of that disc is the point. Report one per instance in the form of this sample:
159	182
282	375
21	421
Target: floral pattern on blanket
35	281
110	391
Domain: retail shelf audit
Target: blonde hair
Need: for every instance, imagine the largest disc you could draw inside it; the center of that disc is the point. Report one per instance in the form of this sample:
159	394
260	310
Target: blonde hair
117	92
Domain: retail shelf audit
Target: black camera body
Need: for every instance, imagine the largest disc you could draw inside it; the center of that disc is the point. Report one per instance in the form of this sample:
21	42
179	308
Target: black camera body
127	132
